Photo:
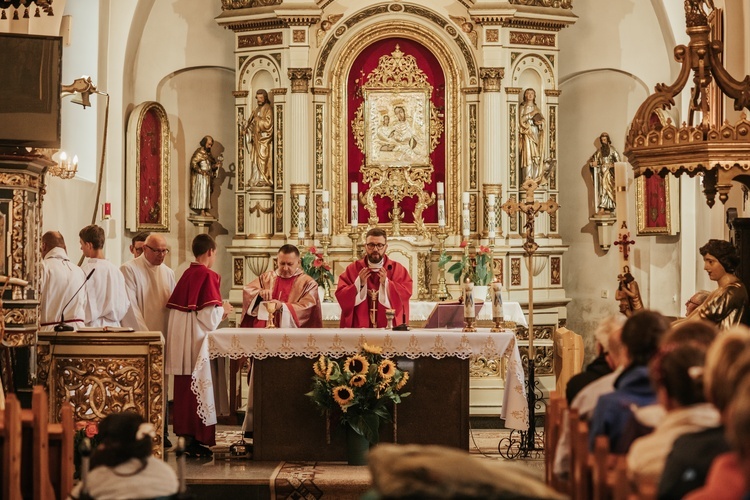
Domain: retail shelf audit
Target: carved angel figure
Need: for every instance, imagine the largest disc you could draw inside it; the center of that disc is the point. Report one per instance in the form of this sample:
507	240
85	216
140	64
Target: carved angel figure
325	26
467	27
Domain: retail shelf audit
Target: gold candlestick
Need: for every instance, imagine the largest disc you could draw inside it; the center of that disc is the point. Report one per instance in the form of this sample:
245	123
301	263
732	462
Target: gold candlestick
442	291
354	236
373	308
325	241
469	313
271	308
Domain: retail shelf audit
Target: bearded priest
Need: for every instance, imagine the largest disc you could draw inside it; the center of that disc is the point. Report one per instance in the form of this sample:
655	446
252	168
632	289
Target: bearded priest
371	285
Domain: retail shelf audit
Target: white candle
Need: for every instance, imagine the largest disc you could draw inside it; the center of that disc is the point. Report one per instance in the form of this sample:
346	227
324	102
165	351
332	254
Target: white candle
621	209
354	188
441	212
324	224
491	223
465	198
301	225
354	206
440	188
466	222
326	197
302	200
469	300
491	200
497	300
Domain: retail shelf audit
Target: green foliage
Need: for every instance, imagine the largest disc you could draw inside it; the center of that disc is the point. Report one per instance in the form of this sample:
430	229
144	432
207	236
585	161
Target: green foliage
318	269
480	273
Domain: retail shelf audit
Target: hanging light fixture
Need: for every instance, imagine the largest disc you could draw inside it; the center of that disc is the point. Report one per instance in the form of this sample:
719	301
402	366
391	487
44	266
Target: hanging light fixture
706	144
65	167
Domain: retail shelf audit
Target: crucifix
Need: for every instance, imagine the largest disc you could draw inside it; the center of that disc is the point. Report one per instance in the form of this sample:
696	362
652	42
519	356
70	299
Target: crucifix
373	308
624	242
530	208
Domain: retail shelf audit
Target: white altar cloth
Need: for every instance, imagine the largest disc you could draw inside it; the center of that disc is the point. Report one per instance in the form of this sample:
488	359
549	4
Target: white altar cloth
311	343
419	311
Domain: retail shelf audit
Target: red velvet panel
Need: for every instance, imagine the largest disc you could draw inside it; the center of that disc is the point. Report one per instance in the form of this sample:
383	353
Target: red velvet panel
149	206
656	202
363	65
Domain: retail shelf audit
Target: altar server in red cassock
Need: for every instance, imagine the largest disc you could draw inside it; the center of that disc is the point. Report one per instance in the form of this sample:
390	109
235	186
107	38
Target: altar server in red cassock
297	306
294	292
376	271
195	308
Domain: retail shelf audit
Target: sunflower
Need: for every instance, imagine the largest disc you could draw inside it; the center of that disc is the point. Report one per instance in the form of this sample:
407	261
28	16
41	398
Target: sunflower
319	367
342	395
356	364
372	349
329	370
386	369
358	380
402	382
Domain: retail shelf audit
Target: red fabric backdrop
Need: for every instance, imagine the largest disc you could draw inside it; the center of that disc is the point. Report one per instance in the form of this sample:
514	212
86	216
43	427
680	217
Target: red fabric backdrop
363	65
149	206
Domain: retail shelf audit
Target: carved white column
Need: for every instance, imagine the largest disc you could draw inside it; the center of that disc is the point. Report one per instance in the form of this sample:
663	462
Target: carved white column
300	157
492	170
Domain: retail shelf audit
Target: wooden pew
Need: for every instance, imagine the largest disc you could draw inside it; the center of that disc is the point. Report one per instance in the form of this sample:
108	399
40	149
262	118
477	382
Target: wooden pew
552	430
579	457
61	437
10	444
601	479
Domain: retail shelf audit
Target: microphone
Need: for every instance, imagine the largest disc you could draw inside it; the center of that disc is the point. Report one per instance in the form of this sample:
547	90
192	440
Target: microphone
61	326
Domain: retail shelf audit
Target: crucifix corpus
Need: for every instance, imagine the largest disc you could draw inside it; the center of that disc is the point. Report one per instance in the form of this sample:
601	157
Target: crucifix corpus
530	208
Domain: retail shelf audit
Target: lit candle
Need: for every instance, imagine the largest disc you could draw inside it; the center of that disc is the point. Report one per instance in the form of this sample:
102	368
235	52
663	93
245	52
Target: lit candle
497	300
469	300
441	204
355	207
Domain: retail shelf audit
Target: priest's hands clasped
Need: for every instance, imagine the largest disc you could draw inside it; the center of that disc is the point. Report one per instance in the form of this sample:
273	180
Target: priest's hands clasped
365	273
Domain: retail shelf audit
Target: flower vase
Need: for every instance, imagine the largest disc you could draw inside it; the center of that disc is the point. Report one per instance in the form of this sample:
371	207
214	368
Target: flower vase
480	292
357	447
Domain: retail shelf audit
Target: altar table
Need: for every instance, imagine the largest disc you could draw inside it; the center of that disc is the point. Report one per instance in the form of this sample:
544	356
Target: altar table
287	426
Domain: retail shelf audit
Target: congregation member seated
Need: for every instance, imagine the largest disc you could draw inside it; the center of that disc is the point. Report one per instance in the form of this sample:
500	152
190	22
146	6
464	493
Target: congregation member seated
641	335
676	373
727	363
122	466
738	430
602	364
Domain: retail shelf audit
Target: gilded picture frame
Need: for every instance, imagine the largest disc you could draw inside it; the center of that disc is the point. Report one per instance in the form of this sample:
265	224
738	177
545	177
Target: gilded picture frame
148	203
657	205
397	127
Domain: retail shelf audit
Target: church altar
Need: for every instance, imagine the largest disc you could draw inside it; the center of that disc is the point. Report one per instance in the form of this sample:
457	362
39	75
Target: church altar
420	310
436	412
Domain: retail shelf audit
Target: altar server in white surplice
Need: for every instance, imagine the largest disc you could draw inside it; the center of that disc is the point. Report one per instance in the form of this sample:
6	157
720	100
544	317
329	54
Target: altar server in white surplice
149	283
106	298
59	281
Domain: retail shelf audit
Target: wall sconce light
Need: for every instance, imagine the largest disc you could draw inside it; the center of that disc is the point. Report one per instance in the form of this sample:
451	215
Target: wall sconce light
605	226
65	168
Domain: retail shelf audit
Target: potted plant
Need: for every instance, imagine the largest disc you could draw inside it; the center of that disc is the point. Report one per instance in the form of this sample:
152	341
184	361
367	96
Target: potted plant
358	390
476	269
318	269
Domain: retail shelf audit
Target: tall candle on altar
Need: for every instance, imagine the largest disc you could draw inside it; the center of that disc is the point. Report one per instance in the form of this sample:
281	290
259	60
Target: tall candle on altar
355	207
468	289
301	217
325	215
441	204
497	300
465	216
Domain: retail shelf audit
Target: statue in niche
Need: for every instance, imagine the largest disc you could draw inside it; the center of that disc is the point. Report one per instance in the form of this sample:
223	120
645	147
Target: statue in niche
203	170
602	166
531	138
258	135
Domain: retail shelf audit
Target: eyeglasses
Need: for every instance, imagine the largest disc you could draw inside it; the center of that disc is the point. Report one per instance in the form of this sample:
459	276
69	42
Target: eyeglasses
373	246
162	252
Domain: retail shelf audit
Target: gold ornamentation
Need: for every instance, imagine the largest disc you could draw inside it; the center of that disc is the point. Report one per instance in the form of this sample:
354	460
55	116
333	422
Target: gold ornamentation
240	214
515	271
498	270
543	332
244	4
491	78
18	264
19	180
19	316
473	122
552	92
467	27
318	145
553	146
240	149
260	40
473	211
294	191
423	276
481	367
513	220
239	271
497	190
555	275
279	137
542	359
300	78
257	209
512	146
539	39
18	338
240	93
162	211
557	4
155	394
279	213
553	216
298	36
492	35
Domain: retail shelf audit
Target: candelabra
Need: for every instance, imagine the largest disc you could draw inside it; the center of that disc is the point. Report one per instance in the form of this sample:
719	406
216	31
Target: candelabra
442	291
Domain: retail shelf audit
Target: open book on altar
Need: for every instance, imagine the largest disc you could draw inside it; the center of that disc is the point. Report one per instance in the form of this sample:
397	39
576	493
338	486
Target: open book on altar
115	329
450	314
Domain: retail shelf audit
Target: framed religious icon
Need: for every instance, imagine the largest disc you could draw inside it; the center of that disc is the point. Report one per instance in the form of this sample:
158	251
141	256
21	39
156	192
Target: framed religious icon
657	204
397	128
148	160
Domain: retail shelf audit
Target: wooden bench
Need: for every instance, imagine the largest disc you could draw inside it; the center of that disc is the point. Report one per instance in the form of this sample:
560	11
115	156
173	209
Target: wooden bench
10	449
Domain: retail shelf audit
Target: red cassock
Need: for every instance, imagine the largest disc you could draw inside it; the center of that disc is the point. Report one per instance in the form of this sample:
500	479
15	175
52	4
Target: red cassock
399	290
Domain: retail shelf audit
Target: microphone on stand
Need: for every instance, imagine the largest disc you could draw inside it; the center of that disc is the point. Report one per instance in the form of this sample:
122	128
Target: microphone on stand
61	326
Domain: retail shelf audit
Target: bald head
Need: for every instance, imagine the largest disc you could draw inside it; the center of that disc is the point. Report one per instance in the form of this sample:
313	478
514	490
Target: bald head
50	240
155	249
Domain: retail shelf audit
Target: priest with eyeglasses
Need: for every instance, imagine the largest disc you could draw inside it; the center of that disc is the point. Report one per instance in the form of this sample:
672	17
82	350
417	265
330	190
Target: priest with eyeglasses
373	284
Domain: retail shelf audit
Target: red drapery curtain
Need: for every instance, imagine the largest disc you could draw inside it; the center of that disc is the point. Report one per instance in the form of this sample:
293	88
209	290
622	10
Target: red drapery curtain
149	206
363	65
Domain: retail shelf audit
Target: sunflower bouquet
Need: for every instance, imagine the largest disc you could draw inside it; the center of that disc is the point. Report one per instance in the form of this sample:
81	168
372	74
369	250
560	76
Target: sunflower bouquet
360	388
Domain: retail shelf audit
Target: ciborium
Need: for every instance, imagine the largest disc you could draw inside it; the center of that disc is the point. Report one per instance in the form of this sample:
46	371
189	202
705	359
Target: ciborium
271	307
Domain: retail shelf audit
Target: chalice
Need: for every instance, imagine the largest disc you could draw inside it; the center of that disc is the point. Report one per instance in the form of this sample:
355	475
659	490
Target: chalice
271	308
389	315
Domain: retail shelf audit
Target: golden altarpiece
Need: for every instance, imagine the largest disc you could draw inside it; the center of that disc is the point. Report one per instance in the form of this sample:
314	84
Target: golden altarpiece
383	103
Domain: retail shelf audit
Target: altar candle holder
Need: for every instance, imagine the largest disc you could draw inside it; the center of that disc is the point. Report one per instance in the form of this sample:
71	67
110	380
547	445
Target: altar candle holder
498	316
271	308
469	313
354	236
325	242
442	291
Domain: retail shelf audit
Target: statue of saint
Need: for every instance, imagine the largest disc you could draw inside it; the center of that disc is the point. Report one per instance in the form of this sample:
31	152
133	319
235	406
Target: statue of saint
726	305
531	137
258	134
628	293
602	165
203	170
